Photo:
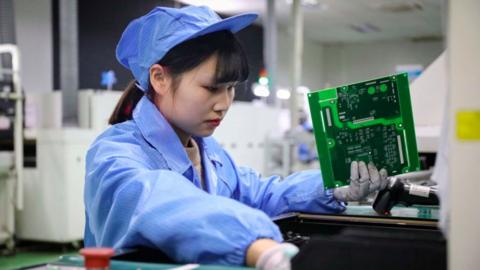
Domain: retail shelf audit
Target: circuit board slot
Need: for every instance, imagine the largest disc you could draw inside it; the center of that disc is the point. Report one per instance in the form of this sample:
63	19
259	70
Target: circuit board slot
329	117
399	141
363	120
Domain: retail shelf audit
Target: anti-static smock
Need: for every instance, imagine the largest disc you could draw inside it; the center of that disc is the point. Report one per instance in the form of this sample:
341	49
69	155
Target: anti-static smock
141	189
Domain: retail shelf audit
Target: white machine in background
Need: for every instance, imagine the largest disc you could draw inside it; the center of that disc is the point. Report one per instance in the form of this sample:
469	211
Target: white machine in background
7	200
429	92
11	175
95	107
43	110
53	204
53	207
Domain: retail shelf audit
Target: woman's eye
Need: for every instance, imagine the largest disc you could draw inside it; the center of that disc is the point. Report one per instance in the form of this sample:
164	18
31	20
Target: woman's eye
211	88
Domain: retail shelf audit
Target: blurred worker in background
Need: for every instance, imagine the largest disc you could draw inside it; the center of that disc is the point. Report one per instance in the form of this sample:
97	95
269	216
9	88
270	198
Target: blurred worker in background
156	178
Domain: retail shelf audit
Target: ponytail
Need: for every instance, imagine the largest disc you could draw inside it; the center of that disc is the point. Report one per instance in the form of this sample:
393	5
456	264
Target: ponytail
124	108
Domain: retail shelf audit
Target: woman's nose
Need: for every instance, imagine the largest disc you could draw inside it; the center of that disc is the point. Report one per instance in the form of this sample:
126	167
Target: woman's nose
224	100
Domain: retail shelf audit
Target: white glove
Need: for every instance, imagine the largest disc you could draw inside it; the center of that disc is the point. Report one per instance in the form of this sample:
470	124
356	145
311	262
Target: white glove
363	181
277	257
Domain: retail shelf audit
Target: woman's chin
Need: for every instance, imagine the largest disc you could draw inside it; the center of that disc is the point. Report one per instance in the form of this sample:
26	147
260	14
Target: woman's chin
204	133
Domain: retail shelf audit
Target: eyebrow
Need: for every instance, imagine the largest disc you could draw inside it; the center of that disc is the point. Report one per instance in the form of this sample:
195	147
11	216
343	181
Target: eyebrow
233	83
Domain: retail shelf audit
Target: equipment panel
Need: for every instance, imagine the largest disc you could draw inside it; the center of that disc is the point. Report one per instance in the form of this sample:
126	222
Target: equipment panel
370	121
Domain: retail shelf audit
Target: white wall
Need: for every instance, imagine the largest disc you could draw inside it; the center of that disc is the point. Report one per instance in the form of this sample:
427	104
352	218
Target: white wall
335	64
33	25
348	63
312	73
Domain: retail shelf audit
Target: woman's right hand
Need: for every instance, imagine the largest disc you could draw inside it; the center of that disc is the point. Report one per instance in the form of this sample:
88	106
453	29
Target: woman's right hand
267	254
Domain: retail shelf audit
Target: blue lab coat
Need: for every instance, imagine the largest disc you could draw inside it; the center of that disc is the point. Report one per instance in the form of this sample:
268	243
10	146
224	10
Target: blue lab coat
142	190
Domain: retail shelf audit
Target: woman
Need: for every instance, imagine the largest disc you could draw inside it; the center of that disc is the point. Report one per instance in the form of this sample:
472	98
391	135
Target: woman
157	179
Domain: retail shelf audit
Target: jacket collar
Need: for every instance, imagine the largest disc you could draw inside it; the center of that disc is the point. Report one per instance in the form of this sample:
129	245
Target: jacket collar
159	133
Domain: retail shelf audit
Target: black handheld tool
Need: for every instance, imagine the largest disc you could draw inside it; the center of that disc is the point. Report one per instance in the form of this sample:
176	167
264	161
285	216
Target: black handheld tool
400	191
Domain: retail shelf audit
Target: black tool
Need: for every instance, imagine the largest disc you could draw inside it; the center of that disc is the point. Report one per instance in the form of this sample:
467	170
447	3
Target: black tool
400	191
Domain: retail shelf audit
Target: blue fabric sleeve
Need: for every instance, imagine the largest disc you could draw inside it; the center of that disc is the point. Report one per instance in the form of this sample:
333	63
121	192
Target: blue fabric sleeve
130	204
299	192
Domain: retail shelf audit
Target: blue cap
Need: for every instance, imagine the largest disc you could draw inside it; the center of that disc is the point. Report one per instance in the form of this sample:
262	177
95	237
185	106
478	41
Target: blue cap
147	39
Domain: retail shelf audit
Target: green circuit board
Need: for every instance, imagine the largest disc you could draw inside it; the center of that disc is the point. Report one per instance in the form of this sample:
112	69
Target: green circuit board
369	121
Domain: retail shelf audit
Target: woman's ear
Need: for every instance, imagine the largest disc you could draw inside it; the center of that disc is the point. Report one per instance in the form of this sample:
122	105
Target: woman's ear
160	80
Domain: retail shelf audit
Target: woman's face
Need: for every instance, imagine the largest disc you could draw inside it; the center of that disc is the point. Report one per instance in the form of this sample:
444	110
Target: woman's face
197	105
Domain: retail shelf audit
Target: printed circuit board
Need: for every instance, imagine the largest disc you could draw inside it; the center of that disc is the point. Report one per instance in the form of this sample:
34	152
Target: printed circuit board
370	121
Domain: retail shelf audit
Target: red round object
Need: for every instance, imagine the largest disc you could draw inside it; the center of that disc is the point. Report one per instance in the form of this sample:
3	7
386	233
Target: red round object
97	257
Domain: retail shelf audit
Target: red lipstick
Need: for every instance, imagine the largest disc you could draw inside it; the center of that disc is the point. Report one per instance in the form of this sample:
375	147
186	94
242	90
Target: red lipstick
214	122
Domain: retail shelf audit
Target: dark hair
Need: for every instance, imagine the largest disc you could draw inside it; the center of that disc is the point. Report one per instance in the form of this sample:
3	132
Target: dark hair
232	66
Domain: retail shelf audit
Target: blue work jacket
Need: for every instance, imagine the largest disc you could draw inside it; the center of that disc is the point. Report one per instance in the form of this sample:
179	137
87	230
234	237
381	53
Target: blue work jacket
141	189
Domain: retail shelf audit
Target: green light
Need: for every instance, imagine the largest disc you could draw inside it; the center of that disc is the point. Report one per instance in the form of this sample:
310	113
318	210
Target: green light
371	90
263	80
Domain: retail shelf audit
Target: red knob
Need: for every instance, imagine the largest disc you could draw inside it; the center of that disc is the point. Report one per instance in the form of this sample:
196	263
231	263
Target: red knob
97	257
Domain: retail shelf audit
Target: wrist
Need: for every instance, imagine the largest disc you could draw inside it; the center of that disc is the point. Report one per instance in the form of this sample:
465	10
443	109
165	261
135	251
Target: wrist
256	249
276	258
340	193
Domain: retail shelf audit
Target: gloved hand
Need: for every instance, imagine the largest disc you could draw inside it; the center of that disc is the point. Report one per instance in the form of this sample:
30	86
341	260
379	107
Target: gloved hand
277	257
363	181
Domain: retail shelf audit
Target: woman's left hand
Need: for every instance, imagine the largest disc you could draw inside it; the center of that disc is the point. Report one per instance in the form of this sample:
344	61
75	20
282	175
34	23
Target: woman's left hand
363	181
